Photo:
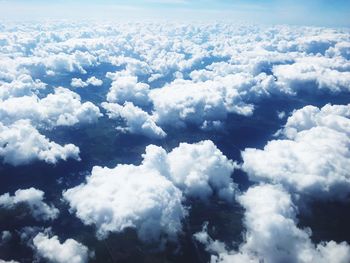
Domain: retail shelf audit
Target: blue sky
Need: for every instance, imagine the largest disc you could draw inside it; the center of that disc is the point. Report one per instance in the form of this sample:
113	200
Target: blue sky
311	12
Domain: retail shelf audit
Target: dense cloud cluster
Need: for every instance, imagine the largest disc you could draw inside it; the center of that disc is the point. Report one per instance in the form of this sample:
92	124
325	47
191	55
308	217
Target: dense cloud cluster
209	71
33	199
149	197
314	157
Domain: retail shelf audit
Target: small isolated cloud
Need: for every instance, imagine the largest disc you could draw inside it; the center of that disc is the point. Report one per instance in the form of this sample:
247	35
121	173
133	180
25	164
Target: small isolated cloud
148	197
137	120
21	143
33	199
52	250
312	159
79	83
272	234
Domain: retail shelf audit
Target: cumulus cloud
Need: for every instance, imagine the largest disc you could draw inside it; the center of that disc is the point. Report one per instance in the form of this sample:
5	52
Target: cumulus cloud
184	101
125	87
314	156
229	65
335	117
148	197
62	108
23	85
62	62
272	234
314	72
33	199
200	170
52	250
21	143
180	74
137	120
128	196
79	83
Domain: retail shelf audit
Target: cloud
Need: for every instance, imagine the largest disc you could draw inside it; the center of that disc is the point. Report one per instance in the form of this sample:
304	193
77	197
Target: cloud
137	120
128	196
62	62
314	157
24	85
79	83
149	197
200	170
21	144
184	101
50	249
126	88
62	108
314	72
33	199
335	117
272	234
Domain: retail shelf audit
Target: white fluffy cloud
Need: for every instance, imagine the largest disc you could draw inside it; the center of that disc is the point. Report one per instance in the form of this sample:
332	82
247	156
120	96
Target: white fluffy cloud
62	62
33	199
23	85
149	197
180	74
128	196
314	72
125	87
50	249
79	83
62	108
313	159
272	234
335	117
196	102
230	65
137	120
21	144
200	170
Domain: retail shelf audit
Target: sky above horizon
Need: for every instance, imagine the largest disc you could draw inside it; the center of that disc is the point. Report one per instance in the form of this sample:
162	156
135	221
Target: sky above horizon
313	12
